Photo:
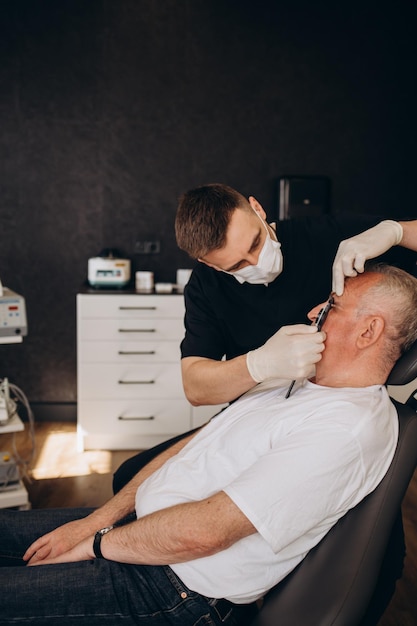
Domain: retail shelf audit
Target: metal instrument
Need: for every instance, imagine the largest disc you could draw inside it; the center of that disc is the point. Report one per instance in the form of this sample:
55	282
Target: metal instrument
319	321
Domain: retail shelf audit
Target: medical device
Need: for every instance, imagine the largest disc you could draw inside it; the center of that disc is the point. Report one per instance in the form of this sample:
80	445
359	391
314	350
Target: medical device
9	472
319	321
108	270
5	405
323	313
13	324
13	327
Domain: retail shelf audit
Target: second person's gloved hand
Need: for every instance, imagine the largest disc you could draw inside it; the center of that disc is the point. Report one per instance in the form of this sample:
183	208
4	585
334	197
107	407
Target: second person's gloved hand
353	252
290	354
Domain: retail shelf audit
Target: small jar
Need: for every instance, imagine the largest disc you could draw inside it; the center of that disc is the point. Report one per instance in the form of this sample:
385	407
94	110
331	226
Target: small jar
144	282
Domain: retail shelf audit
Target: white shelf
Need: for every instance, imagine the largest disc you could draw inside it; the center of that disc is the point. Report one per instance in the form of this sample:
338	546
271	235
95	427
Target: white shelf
15	498
12	426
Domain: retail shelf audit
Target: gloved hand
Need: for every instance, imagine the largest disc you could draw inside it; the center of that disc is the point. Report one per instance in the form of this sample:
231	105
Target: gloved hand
290	354
353	252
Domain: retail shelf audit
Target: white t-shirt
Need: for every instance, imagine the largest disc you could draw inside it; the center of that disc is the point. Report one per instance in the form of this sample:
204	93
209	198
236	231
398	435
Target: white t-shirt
293	467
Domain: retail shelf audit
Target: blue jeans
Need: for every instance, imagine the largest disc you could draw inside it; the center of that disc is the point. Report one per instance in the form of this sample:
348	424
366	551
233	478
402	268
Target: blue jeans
97	592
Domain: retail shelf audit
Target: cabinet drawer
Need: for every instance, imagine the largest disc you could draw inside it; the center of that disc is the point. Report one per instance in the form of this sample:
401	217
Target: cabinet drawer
103	381
100	426
146	417
125	330
129	352
130	306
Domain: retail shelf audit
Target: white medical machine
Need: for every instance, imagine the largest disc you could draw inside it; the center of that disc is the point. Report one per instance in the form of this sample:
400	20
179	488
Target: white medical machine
109	270
13	327
13	323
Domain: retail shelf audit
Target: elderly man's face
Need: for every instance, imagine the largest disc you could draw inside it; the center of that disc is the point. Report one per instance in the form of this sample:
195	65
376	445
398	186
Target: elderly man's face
343	324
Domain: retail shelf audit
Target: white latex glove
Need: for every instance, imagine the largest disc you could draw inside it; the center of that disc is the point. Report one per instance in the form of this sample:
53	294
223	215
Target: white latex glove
290	354
353	252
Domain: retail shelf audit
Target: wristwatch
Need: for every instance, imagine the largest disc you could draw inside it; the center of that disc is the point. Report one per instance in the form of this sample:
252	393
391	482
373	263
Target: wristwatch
97	541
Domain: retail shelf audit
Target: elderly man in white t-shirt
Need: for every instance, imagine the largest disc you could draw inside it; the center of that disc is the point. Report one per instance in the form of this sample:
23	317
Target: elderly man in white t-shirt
231	510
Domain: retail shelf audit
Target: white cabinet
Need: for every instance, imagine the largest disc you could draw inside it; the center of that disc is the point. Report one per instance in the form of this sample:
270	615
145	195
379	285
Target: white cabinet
130	393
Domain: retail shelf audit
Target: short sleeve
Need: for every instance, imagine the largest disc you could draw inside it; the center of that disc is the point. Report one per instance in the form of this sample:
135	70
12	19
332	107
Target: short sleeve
319	472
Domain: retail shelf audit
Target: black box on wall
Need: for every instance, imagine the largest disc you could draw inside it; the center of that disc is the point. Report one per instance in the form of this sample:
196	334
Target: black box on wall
299	196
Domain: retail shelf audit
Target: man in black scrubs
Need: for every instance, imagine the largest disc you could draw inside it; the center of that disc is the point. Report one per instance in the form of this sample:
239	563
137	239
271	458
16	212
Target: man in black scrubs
248	296
253	280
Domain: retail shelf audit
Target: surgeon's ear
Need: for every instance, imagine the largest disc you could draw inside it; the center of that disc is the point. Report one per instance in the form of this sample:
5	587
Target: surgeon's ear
371	332
256	206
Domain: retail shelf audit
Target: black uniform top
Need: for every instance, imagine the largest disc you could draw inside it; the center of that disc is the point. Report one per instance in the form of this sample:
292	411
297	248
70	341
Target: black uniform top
225	317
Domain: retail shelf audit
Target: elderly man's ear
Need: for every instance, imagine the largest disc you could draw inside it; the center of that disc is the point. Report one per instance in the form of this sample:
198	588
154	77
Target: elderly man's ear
371	332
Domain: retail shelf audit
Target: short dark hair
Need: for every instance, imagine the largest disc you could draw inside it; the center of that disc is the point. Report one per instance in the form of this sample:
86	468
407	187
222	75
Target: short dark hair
203	216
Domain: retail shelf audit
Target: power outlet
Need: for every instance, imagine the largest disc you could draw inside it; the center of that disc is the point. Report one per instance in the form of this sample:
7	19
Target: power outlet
152	246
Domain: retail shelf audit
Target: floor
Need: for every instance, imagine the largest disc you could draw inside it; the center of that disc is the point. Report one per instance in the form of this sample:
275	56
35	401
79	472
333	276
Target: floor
60	476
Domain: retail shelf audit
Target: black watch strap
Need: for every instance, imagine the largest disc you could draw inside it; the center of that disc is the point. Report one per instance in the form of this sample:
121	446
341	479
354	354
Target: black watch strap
97	541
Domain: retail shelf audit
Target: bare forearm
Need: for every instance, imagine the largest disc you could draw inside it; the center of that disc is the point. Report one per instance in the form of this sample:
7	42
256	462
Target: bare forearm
207	381
63	540
179	533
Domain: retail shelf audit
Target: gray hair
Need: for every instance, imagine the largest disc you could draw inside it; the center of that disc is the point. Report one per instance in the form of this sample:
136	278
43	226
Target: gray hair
395	294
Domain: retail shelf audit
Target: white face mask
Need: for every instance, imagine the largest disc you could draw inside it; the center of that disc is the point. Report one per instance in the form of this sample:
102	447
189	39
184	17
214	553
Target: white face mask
269	264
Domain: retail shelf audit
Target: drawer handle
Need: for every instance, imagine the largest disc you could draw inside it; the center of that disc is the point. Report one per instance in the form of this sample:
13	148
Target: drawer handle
143	419
137	330
137	308
136	382
137	352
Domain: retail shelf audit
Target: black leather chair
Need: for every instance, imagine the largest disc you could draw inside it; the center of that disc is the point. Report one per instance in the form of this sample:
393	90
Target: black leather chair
335	583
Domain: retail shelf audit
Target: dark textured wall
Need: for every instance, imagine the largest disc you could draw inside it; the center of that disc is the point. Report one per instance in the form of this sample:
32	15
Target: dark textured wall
110	109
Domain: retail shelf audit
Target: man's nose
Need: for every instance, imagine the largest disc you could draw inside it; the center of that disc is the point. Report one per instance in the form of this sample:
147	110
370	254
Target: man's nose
252	258
312	315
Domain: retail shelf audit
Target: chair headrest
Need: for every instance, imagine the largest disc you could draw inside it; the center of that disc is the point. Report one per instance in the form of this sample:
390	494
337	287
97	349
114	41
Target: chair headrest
405	369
